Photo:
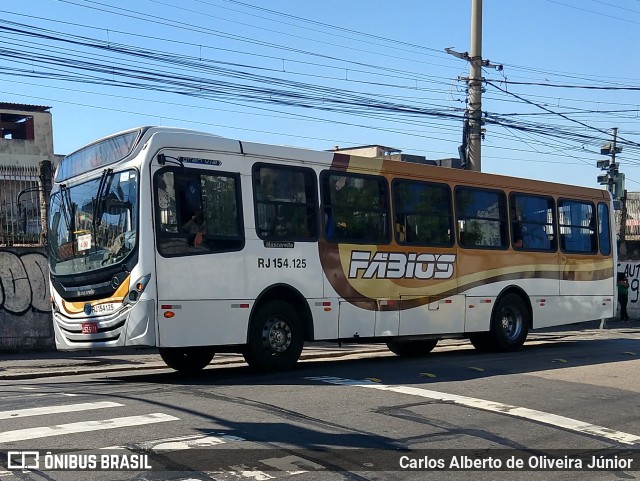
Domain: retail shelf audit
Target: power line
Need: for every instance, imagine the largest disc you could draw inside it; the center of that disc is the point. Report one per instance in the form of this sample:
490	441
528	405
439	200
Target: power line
592	11
568	86
560	115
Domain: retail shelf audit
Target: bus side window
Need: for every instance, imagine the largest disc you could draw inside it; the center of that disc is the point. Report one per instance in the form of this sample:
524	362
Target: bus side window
422	213
482	218
604	229
356	208
285	202
532	222
577	226
198	212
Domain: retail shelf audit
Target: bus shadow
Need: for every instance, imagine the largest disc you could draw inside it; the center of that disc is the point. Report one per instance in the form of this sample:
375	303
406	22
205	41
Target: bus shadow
457	363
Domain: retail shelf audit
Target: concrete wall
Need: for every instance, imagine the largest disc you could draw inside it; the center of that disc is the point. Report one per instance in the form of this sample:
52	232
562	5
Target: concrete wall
632	270
25	309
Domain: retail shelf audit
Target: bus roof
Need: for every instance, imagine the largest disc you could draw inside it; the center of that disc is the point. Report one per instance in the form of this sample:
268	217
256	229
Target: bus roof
362	164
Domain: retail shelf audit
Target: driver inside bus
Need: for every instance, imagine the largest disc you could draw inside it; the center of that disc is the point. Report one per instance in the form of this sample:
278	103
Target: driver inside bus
195	228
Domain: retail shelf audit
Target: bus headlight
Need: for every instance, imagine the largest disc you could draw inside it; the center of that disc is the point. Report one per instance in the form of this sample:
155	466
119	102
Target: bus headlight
138	288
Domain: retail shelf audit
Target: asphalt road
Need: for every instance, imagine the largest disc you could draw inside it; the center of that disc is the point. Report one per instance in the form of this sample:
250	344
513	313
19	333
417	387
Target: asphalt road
371	416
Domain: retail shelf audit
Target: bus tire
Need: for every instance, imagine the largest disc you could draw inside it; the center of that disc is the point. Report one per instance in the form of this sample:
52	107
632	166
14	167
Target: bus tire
482	342
412	348
188	360
510	323
276	337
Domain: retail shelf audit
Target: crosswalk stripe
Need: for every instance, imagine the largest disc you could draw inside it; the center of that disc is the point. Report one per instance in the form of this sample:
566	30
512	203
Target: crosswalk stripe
181	443
505	409
64	408
85	426
13	396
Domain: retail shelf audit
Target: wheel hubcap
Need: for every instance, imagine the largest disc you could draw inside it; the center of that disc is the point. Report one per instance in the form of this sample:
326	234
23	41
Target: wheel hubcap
276	336
511	323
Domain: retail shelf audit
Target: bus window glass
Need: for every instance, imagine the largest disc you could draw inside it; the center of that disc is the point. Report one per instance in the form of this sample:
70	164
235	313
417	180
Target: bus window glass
285	203
167	203
422	213
94	224
219	206
532	222
197	213
355	208
482	218
577	226
604	230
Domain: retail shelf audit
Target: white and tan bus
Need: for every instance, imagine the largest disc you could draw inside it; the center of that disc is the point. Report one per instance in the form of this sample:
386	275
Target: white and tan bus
197	244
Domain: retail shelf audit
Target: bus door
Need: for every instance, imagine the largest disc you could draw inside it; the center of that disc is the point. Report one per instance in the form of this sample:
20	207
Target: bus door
200	270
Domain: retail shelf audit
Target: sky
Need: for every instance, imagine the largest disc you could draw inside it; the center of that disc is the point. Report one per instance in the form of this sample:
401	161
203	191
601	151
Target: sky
320	74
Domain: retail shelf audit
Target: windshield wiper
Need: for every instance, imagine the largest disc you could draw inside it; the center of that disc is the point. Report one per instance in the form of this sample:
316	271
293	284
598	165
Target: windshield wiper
68	215
103	186
64	206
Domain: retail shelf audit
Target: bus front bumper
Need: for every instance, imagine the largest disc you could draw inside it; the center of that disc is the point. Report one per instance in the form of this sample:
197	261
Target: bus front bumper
133	325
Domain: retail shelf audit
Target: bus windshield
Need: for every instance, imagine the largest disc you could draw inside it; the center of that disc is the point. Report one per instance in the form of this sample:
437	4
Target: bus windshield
93	225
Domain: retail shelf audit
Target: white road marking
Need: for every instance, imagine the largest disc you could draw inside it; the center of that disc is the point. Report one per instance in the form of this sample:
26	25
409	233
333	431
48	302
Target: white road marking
291	464
65	408
250	474
507	409
180	443
29	396
81	427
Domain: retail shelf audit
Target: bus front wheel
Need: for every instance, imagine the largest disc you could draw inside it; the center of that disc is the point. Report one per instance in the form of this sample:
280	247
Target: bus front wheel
188	360
276	337
412	348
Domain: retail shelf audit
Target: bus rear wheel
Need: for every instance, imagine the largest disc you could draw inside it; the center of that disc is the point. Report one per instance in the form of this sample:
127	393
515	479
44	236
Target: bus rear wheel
482	341
187	360
510	323
276	337
412	348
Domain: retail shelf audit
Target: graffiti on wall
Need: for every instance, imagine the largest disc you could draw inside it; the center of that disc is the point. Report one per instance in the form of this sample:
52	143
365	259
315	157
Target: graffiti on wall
632	271
24	282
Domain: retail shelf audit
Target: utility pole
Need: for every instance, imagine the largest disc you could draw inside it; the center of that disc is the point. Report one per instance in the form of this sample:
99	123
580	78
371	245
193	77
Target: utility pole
470	150
614	179
44	188
475	88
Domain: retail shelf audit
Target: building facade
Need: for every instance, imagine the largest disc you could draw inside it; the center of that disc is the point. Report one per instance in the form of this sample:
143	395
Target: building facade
26	141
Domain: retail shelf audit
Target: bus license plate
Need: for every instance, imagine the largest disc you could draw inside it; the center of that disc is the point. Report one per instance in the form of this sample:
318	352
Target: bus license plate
89	328
103	308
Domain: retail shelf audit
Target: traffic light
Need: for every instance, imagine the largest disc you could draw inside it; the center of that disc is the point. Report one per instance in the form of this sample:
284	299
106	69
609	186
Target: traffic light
612	177
618	186
608	149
